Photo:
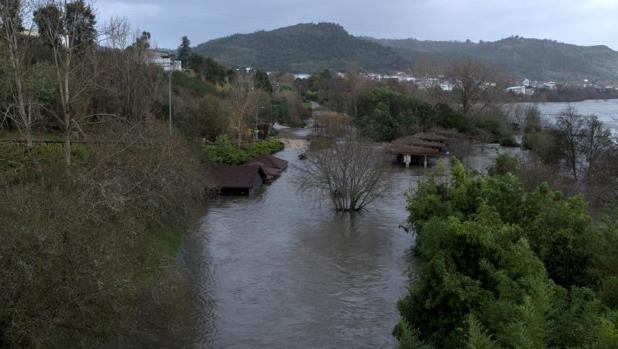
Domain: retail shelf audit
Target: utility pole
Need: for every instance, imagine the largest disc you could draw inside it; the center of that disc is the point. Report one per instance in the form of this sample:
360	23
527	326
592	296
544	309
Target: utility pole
257	131
170	96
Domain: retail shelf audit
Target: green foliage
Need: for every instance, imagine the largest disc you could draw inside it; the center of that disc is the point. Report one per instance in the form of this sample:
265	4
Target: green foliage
211	119
318	142
545	144
503	268
184	50
477	337
261	81
302	48
491	126
93	239
508	140
18	163
532	120
197	87
408	338
224	152
80	24
542	60
387	115
448	118
209	70
505	163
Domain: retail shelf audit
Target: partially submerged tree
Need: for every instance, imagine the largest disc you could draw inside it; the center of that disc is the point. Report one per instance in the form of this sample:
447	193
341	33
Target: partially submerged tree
350	173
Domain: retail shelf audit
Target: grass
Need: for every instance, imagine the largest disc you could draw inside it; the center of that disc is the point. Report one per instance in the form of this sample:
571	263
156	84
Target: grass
14	135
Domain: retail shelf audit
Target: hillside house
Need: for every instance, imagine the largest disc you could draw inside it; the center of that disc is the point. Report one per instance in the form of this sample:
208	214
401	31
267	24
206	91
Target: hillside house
165	60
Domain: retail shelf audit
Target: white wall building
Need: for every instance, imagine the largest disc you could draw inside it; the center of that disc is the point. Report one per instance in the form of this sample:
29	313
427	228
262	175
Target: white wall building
165	60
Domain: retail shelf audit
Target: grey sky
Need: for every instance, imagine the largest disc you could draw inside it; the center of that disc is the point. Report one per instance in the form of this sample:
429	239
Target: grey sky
583	22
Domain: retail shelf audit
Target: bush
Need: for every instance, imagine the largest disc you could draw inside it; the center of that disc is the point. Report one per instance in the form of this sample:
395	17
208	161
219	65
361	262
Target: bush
83	247
502	267
508	141
505	163
224	152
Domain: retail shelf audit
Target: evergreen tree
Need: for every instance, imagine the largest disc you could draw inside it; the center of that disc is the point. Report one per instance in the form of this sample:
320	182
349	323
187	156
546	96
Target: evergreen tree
262	81
184	51
80	23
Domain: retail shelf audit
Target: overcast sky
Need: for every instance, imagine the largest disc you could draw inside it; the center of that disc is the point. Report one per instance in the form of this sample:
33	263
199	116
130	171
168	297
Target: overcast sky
583	22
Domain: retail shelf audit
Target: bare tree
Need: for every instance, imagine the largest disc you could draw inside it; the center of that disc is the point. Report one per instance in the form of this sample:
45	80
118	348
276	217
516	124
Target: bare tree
244	103
16	39
350	173
475	84
571	126
596	143
68	28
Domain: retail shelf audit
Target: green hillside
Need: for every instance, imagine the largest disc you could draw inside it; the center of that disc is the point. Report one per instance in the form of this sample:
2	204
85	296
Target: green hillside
314	47
303	48
531	58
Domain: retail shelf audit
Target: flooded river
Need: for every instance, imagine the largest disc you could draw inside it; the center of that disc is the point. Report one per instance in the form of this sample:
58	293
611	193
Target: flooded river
606	110
282	271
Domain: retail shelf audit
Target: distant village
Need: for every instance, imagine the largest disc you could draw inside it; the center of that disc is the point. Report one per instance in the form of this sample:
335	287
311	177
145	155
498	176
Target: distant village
527	87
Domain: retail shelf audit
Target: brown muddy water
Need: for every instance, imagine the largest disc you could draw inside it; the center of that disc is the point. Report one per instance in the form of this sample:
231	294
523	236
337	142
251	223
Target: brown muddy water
280	270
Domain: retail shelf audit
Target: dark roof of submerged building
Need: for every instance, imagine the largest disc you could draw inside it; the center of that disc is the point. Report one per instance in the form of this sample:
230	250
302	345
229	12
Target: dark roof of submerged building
234	176
270	161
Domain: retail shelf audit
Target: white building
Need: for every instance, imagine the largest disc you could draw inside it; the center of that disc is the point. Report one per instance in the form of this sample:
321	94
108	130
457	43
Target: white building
550	85
518	90
446	86
165	60
302	76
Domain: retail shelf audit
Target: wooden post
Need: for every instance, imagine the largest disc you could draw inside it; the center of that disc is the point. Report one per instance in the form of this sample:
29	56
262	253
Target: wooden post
425	164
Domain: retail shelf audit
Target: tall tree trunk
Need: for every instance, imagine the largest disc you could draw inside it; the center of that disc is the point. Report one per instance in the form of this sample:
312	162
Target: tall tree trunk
67	121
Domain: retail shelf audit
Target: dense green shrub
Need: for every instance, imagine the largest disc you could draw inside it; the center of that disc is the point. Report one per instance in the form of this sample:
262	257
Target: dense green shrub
224	152
504	268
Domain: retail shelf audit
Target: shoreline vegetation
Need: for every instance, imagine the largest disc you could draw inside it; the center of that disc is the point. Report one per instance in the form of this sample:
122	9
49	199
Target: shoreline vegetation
508	267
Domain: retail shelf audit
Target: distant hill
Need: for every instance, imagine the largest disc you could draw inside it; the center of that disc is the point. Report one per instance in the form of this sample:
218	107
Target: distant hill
303	48
314	47
531	58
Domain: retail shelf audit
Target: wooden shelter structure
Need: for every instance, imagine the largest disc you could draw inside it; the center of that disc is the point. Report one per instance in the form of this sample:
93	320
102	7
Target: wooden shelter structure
418	149
272	166
241	180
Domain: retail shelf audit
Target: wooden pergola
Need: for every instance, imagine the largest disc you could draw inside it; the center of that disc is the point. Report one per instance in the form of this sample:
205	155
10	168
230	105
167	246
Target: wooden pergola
418	147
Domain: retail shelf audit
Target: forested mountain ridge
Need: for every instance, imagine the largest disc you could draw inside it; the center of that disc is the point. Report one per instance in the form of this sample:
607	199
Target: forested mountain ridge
313	47
523	57
303	48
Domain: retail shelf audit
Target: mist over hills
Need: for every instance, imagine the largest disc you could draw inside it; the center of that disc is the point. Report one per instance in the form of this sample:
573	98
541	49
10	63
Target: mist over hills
313	47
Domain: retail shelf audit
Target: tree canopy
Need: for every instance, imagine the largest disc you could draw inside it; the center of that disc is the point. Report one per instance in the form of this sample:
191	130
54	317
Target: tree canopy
506	268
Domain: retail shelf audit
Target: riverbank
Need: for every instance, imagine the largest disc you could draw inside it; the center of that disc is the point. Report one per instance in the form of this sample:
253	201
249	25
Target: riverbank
88	244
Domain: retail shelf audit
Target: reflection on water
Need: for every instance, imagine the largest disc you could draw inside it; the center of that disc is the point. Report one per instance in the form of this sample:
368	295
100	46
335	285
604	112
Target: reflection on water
279	270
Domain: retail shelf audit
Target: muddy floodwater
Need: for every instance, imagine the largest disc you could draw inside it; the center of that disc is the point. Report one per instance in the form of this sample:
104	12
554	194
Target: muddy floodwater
282	271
